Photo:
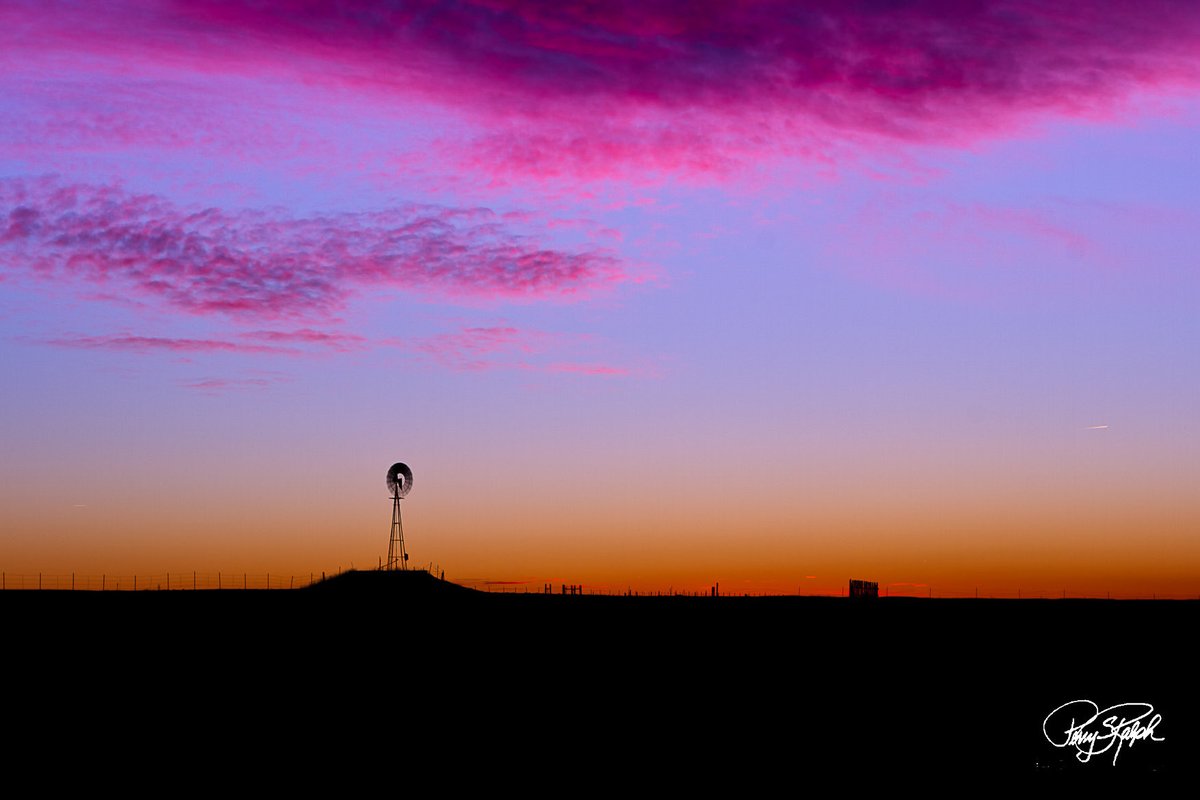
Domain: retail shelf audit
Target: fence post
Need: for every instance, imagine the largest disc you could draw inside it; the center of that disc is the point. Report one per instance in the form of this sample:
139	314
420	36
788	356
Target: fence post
243	581
193	580
39	581
168	581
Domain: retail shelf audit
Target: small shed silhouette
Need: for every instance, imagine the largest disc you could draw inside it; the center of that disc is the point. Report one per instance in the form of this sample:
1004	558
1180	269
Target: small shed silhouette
864	588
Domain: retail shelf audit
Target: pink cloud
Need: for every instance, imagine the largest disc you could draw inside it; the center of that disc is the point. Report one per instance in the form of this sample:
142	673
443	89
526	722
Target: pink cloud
503	347
1032	224
478	348
91	109
265	265
978	252
628	89
467	350
221	385
341	342
588	369
280	343
875	65
148	344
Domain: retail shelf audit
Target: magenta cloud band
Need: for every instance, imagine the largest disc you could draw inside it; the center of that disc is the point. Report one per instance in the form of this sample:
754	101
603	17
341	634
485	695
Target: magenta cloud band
611	90
683	53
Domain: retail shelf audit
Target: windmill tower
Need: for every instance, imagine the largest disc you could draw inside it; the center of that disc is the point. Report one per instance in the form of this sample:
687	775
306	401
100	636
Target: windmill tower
399	483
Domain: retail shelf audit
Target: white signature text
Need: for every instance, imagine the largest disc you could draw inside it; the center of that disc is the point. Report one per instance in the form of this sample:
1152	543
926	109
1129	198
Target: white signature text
1082	725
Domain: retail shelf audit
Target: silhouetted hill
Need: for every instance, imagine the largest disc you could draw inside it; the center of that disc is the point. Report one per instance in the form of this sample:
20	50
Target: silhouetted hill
414	583
761	689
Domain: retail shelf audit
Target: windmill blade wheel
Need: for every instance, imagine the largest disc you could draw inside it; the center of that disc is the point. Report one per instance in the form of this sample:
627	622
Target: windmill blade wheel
399	480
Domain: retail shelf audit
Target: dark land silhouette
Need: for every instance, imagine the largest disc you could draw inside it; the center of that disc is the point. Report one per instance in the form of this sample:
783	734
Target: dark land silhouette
740	689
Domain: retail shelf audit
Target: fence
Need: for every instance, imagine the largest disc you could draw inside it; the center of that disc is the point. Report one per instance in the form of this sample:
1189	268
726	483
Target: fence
197	581
892	592
166	581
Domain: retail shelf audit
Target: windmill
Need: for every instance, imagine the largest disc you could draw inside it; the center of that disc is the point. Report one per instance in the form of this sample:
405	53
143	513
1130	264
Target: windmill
399	483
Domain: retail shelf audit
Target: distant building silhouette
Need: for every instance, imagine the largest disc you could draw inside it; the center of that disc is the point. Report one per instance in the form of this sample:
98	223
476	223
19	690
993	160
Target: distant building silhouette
864	588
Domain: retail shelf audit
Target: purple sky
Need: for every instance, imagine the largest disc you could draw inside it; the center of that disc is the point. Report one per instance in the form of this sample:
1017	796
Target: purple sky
644	292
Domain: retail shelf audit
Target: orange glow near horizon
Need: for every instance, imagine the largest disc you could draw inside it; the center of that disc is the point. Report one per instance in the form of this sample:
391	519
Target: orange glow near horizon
1038	552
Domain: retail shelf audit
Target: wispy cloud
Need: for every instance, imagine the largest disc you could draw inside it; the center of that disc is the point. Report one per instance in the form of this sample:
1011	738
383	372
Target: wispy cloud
266	265
976	252
477	348
588	369
503	346
341	342
217	386
147	344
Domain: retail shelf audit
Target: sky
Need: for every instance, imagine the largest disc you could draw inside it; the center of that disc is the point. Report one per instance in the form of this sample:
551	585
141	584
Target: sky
648	294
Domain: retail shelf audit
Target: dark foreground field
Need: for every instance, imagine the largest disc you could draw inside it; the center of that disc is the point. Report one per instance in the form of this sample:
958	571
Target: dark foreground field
402	673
